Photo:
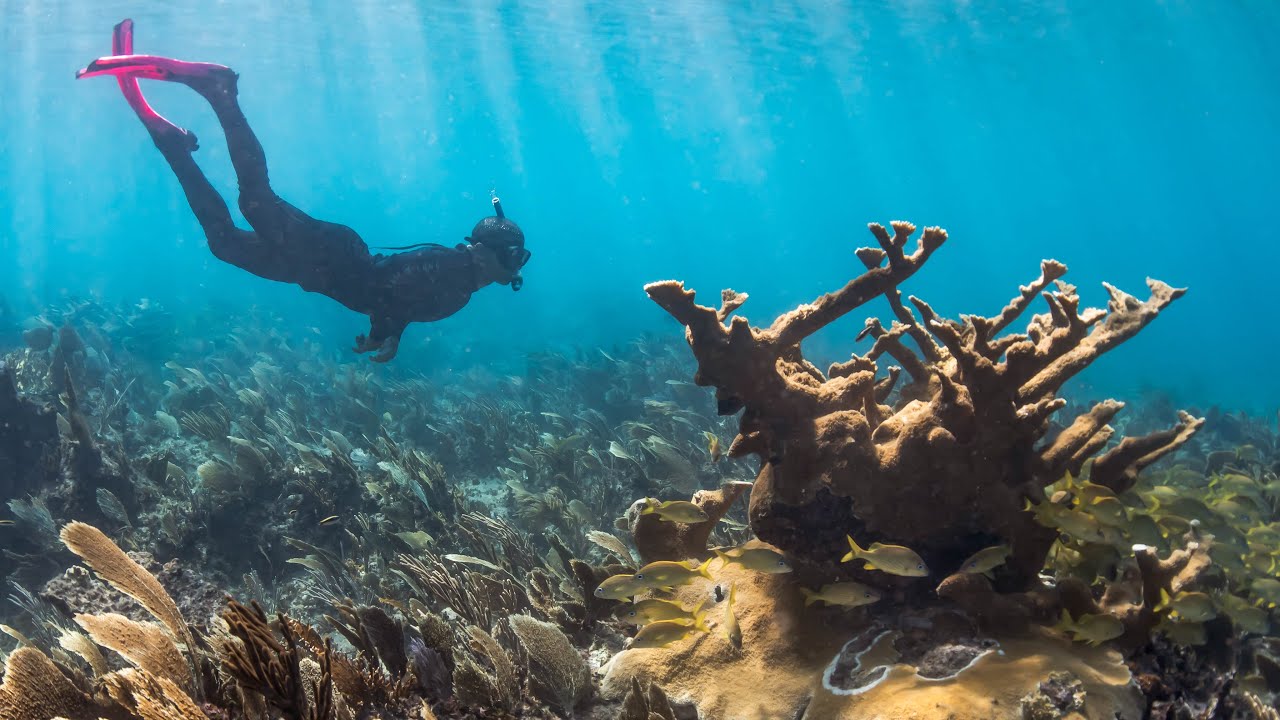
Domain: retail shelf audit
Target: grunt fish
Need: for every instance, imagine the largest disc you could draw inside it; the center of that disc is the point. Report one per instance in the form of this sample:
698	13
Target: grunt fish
665	632
1190	606
1182	633
1077	524
1108	511
1244	616
713	446
732	630
668	573
1093	629
765	560
844	594
620	587
653	610
893	559
681	511
1267	590
986	560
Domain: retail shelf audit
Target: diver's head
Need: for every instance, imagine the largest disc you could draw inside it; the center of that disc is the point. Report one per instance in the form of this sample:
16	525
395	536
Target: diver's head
504	239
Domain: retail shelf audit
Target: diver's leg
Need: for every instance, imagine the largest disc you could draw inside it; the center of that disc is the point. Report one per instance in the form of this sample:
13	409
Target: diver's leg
226	241
318	255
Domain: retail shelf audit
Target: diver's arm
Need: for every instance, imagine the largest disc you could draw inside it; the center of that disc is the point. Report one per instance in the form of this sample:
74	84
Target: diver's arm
384	337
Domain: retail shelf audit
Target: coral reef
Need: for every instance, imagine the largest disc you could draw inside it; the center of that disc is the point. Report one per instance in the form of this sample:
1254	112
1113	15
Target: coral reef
945	464
430	543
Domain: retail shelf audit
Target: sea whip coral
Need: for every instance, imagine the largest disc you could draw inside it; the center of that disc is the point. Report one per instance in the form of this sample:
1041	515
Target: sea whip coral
942	462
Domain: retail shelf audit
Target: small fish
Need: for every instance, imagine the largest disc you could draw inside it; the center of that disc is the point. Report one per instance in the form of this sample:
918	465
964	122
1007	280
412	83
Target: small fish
1107	510
394	603
893	559
417	539
653	610
713	446
1261	563
1267	590
1235	483
668	573
1245	616
1188	606
1075	523
845	594
330	520
732	630
1161	494
986	560
1182	506
681	511
1093	629
469	560
1265	534
1089	493
620	587
1182	633
6	522
764	560
1144	530
665	632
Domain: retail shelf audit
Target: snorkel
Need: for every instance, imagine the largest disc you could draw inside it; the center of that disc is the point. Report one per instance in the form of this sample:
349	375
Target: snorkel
514	257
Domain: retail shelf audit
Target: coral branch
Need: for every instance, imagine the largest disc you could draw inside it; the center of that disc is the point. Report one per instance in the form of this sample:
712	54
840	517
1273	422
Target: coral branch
1118	469
1078	436
1126	316
790	328
1050	270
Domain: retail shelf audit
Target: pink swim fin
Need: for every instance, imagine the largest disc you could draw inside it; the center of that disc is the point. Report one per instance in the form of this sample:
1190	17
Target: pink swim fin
128	68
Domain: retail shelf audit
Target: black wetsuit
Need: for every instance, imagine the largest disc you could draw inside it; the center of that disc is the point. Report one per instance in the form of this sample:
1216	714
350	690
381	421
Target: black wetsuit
287	245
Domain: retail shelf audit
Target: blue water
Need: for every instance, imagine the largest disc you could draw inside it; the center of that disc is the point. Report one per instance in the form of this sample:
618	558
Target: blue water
730	144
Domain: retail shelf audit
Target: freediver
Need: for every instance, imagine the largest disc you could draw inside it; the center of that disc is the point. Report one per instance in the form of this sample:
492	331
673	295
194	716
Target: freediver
427	283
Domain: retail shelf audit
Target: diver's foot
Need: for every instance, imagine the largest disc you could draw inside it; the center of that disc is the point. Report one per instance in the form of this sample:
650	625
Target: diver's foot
167	136
209	79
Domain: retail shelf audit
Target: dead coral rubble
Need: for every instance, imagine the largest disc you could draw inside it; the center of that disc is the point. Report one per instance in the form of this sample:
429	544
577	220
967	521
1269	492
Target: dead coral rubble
942	462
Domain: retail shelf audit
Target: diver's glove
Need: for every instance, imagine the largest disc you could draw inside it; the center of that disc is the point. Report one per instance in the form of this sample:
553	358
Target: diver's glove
385	350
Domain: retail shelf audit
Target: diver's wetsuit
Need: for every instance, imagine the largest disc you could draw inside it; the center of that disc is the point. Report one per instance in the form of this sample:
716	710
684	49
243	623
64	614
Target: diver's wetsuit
287	245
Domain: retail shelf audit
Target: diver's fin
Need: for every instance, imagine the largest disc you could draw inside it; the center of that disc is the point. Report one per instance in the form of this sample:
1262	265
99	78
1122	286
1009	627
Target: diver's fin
152	67
161	129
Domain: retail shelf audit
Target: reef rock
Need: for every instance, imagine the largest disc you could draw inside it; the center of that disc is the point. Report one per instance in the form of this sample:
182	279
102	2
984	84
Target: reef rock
29	446
943	463
835	663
